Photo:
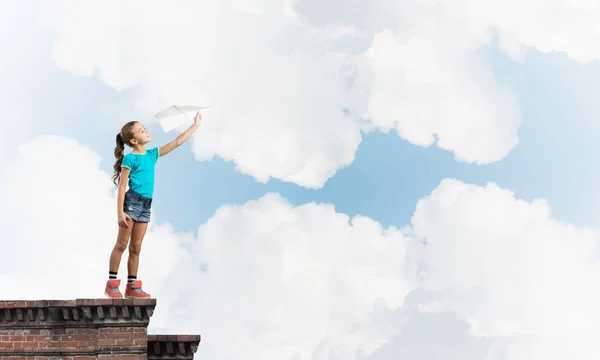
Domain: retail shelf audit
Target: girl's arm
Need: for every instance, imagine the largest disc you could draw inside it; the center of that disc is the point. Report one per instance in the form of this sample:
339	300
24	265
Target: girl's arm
164	150
121	198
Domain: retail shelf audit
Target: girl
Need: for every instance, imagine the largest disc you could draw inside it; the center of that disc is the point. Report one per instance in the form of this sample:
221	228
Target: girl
133	206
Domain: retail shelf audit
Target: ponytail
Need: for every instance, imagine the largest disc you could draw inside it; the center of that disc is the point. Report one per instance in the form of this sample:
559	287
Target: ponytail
119	155
123	138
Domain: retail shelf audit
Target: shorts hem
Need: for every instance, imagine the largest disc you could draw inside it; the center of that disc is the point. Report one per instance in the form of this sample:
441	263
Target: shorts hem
137	218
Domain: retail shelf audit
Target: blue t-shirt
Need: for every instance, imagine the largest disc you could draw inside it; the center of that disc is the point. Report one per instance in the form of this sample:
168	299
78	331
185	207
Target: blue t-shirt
141	178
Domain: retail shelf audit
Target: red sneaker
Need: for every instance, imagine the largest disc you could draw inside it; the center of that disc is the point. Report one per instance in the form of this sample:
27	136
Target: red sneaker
134	291
112	289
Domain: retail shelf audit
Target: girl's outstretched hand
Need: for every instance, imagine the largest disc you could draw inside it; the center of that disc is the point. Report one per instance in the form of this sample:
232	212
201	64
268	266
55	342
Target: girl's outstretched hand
124	220
183	137
197	118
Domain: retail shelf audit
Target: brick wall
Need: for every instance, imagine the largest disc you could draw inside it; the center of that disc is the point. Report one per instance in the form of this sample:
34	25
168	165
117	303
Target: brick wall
86	329
172	346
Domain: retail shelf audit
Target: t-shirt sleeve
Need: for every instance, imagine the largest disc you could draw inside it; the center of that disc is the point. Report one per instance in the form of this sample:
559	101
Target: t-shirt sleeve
127	162
155	153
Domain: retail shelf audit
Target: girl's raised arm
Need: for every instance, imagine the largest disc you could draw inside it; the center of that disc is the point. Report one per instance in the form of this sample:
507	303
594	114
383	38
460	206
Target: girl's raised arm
183	137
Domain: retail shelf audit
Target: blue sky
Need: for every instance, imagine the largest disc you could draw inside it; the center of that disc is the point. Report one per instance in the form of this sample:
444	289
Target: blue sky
554	159
287	278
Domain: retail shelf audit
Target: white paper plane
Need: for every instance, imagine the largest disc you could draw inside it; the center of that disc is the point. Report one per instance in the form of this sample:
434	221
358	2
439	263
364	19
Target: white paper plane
176	115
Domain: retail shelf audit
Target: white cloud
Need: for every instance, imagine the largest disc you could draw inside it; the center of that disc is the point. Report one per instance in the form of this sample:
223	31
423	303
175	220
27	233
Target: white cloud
269	280
567	26
276	72
16	62
281	280
432	336
286	280
511	269
428	97
255	7
279	83
59	220
276	111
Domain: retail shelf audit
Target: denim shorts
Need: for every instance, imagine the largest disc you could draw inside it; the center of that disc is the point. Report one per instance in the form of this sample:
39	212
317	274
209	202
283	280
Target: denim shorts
137	206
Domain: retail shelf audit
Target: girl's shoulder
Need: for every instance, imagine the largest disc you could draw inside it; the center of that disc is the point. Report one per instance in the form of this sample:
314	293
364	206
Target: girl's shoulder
130	160
129	156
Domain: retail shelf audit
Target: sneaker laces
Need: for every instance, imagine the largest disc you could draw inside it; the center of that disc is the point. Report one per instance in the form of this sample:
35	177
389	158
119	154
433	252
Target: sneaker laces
139	290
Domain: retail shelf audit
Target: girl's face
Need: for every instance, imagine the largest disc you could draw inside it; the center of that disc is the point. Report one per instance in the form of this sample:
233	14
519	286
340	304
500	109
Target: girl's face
140	135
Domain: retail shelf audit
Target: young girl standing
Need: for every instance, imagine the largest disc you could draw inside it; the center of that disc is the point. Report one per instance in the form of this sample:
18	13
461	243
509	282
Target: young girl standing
133	205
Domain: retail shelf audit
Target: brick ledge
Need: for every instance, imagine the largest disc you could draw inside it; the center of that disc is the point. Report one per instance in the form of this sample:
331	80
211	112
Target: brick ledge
19	314
172	346
72	303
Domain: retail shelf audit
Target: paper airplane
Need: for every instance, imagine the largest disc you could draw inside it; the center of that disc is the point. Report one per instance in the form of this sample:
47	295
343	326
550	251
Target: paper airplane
176	115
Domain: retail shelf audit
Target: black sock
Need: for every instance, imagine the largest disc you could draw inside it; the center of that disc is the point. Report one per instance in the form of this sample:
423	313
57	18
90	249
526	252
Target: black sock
112	275
130	279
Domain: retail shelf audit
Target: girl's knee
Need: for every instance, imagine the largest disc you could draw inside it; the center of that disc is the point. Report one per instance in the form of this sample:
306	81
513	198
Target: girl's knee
134	250
121	246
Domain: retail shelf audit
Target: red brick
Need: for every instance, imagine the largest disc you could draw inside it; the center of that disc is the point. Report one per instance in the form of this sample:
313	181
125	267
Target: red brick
82	331
111	330
127	342
106	342
38	338
49	331
59	303
81	337
144	302
14	304
122	335
32	304
101	302
86	302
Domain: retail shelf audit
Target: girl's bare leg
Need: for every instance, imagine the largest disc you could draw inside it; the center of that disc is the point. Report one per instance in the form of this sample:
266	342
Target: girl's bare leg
135	246
120	246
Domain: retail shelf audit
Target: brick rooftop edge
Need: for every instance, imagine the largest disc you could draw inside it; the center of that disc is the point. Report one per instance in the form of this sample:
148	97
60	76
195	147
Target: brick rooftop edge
86	329
172	346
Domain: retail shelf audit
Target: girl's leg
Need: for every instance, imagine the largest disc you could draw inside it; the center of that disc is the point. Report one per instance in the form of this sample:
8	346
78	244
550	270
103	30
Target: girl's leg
133	290
120	246
112	285
135	246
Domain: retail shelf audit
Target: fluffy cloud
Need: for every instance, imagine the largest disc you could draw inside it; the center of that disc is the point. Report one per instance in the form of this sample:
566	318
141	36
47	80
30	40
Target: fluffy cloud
265	279
15	69
309	269
293	84
511	270
497	277
280	72
58	211
276	111
428	96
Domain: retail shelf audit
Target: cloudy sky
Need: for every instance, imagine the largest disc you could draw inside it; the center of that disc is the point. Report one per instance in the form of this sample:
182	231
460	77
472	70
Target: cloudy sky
377	179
